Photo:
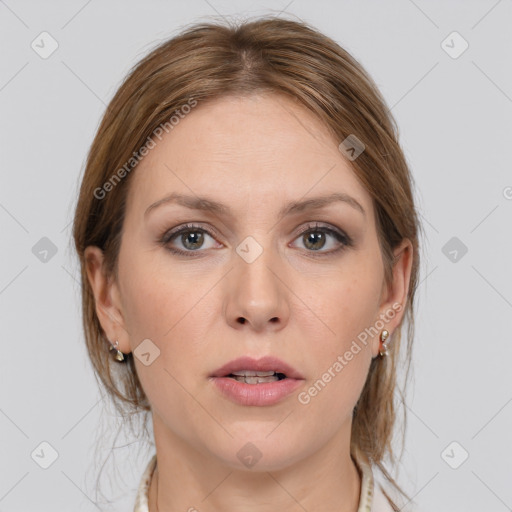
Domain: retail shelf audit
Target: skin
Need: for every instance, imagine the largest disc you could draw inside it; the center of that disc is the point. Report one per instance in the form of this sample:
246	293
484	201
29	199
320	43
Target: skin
254	154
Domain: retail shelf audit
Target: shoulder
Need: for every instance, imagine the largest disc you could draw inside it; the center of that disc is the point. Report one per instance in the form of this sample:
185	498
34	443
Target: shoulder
387	499
383	499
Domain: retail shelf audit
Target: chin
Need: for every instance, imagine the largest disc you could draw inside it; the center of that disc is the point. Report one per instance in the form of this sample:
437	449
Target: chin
258	453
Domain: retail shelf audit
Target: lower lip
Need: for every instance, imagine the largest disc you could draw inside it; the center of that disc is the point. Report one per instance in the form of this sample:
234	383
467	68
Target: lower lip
268	393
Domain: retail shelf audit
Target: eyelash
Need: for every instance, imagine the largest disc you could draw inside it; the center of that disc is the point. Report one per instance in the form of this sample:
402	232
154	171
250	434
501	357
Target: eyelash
340	236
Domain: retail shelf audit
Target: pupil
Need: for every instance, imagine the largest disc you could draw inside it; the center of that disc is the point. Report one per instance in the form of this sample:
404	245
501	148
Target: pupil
196	237
315	238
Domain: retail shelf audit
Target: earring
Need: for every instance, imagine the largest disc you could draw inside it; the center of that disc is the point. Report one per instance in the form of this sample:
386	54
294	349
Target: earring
119	356
383	337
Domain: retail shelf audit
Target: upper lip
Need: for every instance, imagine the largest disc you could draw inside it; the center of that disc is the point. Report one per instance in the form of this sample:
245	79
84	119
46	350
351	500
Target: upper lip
264	364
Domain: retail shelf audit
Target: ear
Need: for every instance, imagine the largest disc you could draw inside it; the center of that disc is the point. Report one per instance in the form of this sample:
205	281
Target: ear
394	294
107	299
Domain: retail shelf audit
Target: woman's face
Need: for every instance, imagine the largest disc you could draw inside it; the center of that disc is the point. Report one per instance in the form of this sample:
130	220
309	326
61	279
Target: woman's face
269	272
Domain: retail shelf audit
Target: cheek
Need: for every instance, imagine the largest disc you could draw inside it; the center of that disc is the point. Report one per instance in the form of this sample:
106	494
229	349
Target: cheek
343	304
347	303
160	307
170	309
330	398
147	308
341	365
154	298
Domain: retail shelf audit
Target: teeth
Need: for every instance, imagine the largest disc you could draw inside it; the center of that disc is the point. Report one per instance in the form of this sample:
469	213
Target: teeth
256	380
250	373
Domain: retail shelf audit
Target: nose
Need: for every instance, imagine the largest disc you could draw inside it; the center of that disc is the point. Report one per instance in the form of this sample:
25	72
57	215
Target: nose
257	297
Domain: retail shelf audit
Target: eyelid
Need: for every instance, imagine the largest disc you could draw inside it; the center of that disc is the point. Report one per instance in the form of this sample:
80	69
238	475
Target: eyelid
311	226
340	235
189	226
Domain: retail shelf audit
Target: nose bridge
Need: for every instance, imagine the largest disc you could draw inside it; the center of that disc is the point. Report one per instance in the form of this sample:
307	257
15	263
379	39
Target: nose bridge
257	295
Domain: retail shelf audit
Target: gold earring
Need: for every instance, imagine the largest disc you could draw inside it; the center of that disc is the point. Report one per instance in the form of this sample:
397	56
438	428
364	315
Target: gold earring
119	356
383	337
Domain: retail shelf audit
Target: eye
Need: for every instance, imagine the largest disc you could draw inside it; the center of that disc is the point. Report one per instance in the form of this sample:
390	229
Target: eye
191	238
315	238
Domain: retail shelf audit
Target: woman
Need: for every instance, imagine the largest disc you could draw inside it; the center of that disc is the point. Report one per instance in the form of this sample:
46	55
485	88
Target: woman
249	250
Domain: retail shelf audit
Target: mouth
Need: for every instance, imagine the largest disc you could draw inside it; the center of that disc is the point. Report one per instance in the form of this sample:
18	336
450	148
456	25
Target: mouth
253	377
257	382
269	368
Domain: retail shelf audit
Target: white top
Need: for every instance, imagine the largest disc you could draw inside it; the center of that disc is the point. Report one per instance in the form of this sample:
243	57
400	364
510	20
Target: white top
372	497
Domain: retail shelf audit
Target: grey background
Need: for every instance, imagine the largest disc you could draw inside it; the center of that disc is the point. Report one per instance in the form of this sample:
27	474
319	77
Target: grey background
455	120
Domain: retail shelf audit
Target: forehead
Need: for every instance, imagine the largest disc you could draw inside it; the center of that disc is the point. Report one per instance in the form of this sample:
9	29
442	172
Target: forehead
250	150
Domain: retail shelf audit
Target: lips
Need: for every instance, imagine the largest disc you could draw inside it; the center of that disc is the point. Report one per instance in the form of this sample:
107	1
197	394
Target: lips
237	381
265	364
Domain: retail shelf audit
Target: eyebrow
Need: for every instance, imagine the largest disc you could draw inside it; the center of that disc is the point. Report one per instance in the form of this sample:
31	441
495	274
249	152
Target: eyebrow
207	204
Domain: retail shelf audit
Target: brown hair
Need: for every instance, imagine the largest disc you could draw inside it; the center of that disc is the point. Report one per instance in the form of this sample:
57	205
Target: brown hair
210	60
